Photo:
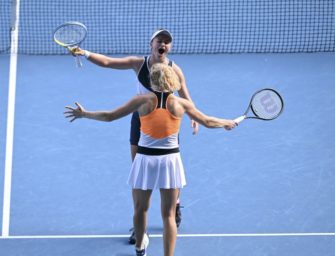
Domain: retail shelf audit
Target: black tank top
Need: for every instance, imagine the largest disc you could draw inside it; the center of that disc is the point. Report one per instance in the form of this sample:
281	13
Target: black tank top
144	74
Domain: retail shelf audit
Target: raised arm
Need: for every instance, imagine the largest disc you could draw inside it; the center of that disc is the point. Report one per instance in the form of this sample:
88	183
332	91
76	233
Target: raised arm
207	121
106	116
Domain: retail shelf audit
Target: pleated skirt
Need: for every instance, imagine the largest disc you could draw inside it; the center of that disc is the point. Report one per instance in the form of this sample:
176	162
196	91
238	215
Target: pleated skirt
156	172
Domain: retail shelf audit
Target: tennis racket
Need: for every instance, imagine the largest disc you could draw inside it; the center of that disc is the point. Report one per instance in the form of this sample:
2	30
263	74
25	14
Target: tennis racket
70	35
265	104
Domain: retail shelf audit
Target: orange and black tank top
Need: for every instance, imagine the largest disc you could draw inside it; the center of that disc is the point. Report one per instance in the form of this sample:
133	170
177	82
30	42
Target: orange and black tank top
159	129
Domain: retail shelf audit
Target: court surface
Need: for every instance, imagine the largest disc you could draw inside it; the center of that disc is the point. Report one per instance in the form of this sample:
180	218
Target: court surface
263	189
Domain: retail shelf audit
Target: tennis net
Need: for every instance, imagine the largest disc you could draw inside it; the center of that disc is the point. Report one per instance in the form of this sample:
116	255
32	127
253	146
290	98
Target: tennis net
198	26
5	25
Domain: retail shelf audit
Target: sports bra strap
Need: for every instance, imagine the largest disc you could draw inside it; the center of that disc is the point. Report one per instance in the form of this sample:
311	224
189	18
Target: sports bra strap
162	98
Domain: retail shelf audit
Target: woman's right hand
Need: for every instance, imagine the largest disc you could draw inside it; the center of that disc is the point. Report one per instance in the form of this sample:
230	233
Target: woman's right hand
231	124
74	113
76	51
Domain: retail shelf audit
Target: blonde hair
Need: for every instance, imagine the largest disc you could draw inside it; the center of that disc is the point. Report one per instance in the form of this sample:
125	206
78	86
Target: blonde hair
163	78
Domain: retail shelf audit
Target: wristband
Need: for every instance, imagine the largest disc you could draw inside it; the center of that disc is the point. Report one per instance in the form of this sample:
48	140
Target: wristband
87	54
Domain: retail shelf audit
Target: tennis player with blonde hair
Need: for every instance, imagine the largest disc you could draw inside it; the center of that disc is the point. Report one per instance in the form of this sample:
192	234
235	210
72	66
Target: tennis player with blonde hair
157	164
161	44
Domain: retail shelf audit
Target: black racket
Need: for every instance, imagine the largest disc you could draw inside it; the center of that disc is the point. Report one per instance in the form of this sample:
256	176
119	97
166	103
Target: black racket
265	104
70	35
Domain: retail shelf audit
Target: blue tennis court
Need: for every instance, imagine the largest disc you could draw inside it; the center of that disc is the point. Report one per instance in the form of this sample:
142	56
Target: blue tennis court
264	188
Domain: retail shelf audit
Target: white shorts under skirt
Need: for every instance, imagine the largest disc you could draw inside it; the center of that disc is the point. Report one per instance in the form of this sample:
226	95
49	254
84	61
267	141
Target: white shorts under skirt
154	172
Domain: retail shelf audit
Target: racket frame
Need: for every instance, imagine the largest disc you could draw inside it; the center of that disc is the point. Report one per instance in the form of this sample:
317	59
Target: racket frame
245	116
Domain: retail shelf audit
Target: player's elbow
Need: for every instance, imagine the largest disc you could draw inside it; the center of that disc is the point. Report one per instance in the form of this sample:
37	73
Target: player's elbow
108	117
207	123
105	63
102	61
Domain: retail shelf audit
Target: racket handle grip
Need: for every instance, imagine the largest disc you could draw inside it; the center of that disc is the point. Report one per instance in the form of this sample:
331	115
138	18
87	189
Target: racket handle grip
78	61
239	119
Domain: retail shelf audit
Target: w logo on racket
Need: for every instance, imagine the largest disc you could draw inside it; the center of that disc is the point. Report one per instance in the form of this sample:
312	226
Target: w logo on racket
268	103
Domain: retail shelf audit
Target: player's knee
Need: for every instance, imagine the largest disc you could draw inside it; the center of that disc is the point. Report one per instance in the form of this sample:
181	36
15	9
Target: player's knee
141	207
168	213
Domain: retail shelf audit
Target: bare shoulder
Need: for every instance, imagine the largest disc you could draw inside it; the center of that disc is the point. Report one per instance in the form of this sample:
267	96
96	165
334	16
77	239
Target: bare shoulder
177	69
184	102
179	73
135	61
149	102
144	97
177	106
134	58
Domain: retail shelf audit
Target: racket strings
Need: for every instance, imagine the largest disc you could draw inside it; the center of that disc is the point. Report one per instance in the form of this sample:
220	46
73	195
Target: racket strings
267	104
70	34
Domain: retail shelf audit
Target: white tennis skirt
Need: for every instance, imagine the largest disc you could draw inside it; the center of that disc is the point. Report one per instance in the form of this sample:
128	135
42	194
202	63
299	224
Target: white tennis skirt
154	172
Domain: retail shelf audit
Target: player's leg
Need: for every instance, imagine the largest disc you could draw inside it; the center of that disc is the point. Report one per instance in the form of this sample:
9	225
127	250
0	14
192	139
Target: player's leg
168	208
141	201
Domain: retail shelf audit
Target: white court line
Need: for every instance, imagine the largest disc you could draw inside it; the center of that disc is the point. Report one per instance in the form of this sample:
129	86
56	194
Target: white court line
10	121
179	235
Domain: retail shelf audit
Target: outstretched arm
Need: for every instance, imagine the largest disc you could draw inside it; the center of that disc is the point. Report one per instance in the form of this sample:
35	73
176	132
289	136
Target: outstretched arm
130	62
207	121
107	116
